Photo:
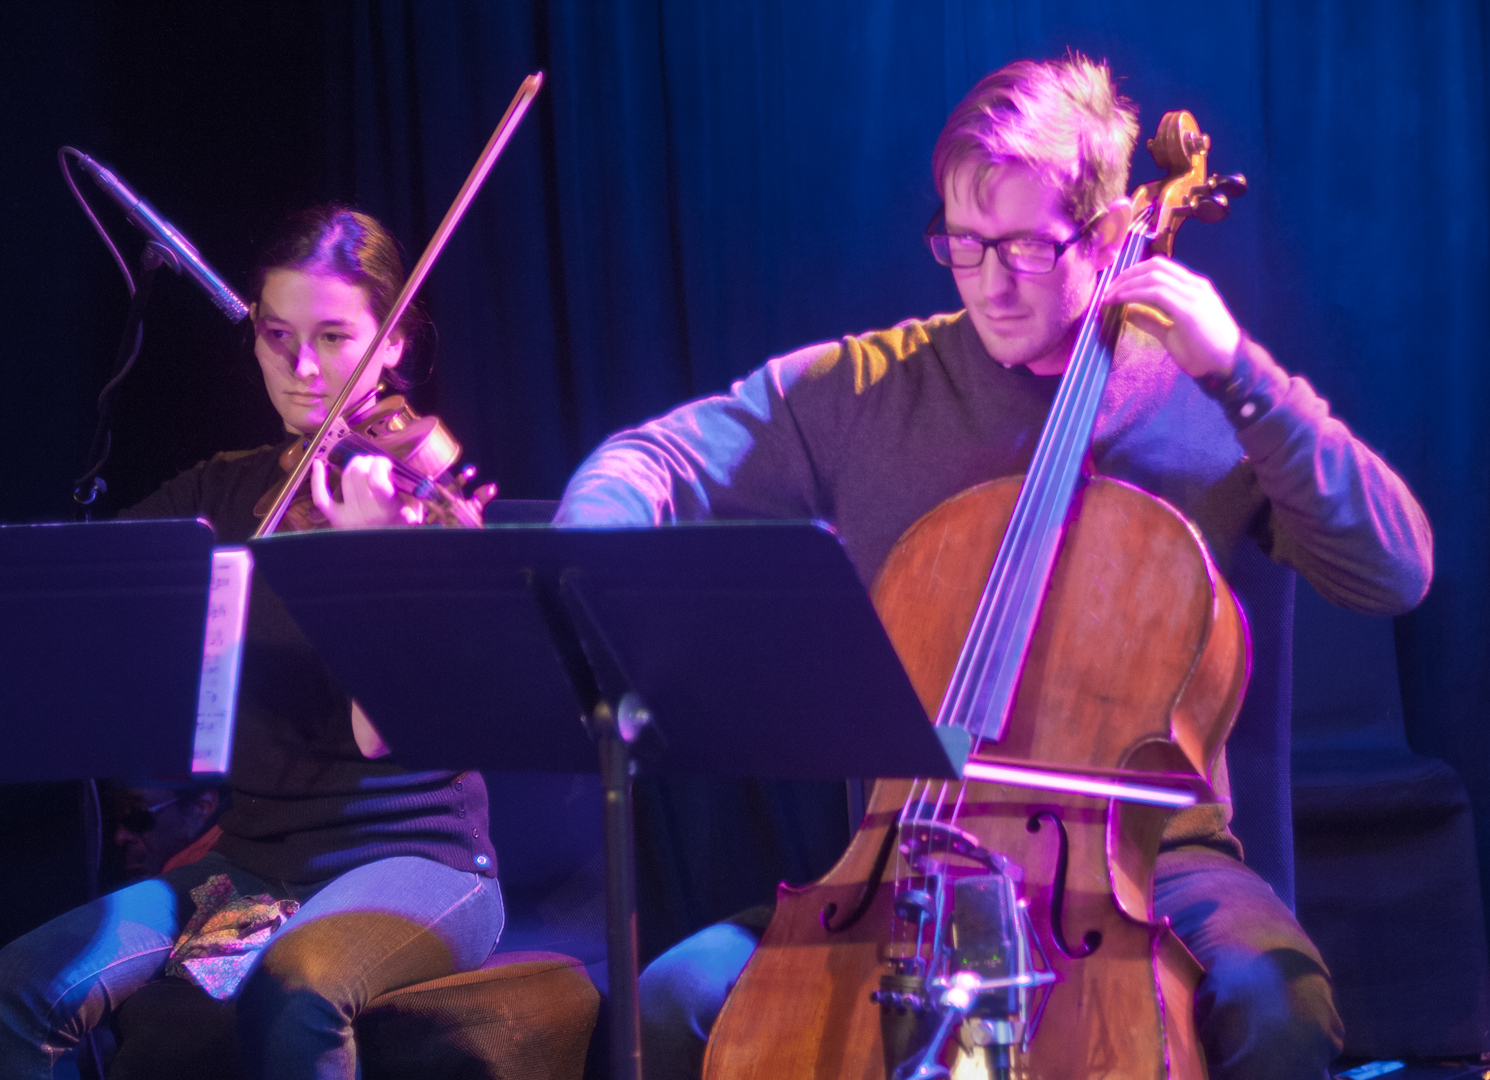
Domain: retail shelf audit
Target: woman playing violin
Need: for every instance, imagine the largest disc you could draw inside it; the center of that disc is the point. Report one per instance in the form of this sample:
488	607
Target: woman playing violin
339	875
311	327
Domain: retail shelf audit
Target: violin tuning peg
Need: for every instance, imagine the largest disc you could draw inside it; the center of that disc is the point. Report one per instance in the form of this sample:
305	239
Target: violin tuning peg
1233	186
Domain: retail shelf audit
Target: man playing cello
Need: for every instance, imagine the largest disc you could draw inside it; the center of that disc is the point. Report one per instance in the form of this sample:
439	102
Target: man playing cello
873	431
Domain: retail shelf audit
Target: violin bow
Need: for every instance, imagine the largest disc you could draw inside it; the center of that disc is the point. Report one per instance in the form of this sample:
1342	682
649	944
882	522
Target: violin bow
334	428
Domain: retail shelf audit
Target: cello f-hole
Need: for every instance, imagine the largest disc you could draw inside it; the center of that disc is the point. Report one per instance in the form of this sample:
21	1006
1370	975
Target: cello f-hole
871	886
1092	939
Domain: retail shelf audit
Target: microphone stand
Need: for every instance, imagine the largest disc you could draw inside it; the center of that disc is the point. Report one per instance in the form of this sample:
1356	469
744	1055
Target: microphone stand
88	487
85	492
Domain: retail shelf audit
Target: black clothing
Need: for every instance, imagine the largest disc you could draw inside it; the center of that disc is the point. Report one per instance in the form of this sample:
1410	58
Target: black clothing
307	805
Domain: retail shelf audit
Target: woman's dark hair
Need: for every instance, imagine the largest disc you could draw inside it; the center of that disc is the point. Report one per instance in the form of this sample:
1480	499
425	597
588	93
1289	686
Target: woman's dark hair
341	242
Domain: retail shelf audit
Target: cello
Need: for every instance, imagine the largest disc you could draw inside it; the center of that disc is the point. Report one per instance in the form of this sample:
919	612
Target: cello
1078	633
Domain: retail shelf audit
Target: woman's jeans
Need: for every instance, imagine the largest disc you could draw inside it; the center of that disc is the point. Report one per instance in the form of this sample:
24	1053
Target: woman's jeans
377	928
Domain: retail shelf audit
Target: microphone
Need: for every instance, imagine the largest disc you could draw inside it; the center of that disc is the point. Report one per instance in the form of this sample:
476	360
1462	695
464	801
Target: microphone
148	220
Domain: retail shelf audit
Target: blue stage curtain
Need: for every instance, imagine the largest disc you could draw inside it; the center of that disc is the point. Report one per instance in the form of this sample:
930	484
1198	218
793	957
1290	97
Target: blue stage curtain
704	185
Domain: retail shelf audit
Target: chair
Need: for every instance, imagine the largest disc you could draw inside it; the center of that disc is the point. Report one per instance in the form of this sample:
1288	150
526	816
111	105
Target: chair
523	1014
1388	880
1257	752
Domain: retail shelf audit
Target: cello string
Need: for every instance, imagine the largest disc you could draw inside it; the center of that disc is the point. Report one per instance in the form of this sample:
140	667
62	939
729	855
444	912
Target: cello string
901	874
1039	511
1058	447
1017	540
931	868
1035	515
1073	437
1002	637
1056	450
1060	450
903	882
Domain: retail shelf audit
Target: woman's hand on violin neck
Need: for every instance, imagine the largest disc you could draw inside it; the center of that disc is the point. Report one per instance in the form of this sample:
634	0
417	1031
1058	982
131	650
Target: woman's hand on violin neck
1184	311
368	497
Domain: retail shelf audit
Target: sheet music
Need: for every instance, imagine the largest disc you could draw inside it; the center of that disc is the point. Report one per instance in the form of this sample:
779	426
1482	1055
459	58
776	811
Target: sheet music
222	655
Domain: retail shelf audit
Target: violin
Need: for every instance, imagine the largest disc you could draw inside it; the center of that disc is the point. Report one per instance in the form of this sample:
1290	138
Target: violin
1076	629
339	438
423	453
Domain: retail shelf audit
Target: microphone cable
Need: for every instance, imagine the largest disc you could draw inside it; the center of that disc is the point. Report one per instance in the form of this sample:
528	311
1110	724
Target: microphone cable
87	488
103	233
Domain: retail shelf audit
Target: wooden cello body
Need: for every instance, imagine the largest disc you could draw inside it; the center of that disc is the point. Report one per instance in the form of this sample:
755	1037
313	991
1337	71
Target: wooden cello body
1141	644
1131	661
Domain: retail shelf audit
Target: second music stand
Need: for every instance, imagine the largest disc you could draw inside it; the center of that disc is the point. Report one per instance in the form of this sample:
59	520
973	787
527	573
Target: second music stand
745	649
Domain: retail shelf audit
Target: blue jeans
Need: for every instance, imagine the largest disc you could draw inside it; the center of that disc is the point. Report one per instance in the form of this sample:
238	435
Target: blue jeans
1265	1009
379	927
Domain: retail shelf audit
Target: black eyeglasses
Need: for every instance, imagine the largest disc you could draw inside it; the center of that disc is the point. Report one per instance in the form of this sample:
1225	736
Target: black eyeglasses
1021	254
142	818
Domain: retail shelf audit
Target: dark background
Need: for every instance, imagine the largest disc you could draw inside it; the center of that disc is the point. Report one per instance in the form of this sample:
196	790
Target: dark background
699	186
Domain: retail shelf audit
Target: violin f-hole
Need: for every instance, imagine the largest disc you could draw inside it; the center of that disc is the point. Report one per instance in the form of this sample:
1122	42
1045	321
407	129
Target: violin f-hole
1091	941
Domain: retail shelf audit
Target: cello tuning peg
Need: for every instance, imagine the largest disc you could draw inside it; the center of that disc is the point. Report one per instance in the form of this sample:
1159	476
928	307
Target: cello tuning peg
1210	208
1233	186
1194	142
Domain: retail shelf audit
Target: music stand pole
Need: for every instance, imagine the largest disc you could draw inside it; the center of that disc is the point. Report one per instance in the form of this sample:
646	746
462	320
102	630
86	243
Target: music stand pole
622	963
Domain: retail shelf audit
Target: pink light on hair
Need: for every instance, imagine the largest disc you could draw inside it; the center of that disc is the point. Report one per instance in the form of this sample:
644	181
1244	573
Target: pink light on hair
1063	119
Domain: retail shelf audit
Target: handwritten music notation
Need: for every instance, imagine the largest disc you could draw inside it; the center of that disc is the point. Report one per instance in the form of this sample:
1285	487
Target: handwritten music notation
222	656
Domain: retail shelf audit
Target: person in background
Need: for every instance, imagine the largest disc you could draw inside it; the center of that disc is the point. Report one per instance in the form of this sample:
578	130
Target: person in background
156	820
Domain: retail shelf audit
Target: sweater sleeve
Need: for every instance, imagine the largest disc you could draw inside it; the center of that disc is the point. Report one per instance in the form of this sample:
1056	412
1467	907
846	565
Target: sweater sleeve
1338	513
759	451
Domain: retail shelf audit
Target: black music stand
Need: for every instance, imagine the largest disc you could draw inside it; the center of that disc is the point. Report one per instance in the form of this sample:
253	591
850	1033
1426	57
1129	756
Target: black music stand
102	653
735	650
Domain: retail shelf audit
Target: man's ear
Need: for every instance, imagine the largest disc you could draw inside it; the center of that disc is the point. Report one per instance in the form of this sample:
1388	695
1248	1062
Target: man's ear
1109	231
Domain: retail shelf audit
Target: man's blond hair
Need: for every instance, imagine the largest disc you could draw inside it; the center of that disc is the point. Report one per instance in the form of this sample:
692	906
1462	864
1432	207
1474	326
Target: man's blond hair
1061	118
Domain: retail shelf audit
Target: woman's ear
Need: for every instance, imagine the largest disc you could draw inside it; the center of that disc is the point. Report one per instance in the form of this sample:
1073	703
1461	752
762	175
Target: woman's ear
393	348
